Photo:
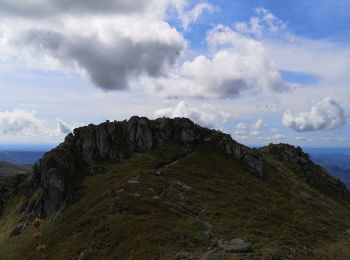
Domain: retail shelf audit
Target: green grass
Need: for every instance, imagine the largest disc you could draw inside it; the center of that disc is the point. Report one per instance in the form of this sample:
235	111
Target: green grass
273	213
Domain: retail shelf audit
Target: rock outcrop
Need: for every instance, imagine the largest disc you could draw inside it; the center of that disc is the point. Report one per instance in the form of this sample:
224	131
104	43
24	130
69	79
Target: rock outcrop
312	173
114	142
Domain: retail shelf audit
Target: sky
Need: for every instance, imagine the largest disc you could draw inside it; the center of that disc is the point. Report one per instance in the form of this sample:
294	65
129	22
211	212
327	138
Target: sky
265	71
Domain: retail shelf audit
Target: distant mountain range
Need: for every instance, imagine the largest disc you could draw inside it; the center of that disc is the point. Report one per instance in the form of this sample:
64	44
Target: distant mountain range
20	157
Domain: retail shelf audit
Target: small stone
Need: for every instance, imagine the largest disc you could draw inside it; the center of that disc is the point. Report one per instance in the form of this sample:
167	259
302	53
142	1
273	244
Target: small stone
347	232
235	246
187	188
17	230
157	173
156	197
134	180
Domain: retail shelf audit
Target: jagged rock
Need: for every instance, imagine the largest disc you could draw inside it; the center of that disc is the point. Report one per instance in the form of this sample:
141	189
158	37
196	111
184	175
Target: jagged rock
140	134
183	255
17	230
114	142
54	191
235	246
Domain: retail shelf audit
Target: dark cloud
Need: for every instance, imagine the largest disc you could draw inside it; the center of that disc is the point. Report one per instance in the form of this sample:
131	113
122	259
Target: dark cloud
44	8
109	66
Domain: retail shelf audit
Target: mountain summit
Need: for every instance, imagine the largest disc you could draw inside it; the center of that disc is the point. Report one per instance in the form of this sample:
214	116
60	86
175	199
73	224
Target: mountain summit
170	189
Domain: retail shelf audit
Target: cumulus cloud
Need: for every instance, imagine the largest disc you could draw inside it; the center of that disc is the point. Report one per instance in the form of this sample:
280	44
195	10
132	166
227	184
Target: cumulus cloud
243	131
25	123
110	43
206	115
192	15
109	64
326	114
20	121
238	65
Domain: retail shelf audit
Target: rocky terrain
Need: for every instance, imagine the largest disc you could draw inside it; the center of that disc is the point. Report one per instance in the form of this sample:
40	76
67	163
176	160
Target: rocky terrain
170	189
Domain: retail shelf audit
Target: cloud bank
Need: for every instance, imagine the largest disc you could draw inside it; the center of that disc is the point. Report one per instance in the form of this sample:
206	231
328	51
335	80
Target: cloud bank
22	122
110	43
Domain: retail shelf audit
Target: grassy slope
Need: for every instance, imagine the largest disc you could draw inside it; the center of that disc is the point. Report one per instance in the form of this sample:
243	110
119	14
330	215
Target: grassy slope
7	168
276	214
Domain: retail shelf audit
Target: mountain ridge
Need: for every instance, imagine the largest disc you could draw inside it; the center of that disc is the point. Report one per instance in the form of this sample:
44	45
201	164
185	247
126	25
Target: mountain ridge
114	142
170	189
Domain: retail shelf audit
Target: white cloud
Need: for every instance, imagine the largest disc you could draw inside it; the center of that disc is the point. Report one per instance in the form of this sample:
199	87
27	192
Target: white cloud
241	131
22	123
326	114
258	125
264	22
206	115
238	65
192	15
110	44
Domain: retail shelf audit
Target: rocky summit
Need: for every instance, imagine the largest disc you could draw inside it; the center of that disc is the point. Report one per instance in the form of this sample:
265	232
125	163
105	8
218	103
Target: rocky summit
115	142
170	189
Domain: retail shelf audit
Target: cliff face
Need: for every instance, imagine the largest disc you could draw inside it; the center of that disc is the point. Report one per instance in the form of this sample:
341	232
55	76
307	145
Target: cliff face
115	142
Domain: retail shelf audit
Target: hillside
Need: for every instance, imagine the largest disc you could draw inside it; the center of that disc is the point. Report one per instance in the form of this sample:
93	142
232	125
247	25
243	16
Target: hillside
336	164
7	168
169	189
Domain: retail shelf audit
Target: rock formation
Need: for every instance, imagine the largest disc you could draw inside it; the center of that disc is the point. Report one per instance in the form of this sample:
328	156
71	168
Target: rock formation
115	142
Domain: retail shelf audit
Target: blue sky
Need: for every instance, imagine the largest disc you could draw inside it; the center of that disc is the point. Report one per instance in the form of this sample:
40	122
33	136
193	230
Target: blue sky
263	71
